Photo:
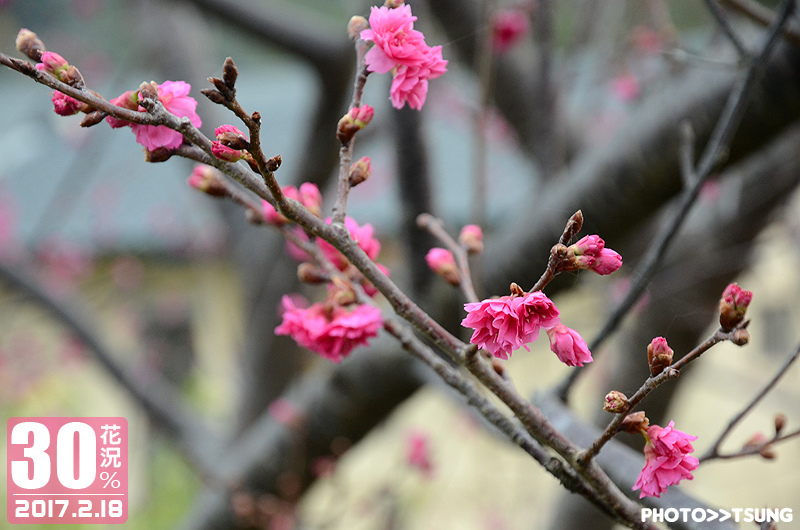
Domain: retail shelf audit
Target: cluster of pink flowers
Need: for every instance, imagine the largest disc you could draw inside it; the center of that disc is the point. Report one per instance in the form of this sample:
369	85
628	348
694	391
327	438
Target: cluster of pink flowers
504	324
402	49
591	253
174	95
331	331
667	460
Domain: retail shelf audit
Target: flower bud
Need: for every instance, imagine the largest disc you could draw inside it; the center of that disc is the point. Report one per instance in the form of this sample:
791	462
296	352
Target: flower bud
353	121
635	423
360	171
231	136
659	355
159	154
616	402
733	306
442	262
741	337
274	163
205	179
52	63
393	4
590	253
355	26
65	105
780	423
229	73
471	238
29	43
223	152
309	273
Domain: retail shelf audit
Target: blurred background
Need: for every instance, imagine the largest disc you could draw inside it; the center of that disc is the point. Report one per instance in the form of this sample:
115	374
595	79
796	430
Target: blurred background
123	292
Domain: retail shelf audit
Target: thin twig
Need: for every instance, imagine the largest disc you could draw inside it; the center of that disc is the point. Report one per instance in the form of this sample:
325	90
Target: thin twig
652	382
764	16
725	26
713	451
435	227
713	154
346	151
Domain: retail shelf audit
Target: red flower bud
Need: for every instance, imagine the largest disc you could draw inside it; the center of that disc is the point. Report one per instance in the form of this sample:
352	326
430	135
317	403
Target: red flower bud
659	355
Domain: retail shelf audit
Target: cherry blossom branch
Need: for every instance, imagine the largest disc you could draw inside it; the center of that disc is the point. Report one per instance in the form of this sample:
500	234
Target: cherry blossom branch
653	382
764	16
435	227
714	451
713	154
346	150
725	25
558	252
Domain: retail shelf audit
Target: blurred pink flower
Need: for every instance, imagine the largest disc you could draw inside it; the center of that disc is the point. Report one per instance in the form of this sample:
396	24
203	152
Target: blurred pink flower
667	460
504	324
308	195
174	95
331	332
442	262
627	87
285	412
568	345
364	236
418	452
509	27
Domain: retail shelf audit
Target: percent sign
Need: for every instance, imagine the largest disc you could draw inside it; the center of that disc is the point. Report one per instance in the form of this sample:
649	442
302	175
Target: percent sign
109	478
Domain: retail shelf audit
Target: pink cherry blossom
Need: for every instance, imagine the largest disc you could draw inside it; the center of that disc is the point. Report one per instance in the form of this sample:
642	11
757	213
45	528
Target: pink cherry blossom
442	262
509	28
402	49
364	236
174	95
568	345
396	40
128	100
410	83
667	460
504	324
627	87
333	333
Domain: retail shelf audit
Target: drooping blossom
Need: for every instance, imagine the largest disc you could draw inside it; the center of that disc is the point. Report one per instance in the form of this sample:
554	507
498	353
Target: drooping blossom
410	83
401	49
568	345
308	195
509	27
174	95
418	452
667	460
65	105
504	324
364	236
591	253
333	332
